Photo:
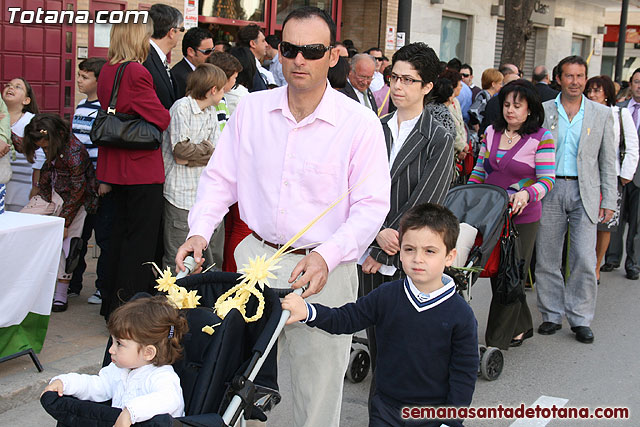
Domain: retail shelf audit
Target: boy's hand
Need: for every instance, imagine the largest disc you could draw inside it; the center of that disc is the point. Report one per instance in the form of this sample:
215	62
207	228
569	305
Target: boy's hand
103	189
389	241
56	386
296	305
124	419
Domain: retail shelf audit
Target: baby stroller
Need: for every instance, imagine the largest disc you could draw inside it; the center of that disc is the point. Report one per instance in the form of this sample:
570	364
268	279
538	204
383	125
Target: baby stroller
484	207
234	368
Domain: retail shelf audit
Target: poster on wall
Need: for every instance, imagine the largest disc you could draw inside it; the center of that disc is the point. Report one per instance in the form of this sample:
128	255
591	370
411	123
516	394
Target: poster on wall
391	38
190	13
400	40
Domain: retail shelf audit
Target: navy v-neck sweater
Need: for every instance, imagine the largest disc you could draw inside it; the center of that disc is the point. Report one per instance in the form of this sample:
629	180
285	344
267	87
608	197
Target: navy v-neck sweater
425	357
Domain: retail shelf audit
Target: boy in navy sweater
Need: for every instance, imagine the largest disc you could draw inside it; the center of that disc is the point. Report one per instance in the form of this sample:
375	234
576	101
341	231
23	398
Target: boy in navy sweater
426	333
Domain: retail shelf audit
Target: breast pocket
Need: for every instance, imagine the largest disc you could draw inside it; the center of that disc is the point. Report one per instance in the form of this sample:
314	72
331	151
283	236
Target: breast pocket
320	182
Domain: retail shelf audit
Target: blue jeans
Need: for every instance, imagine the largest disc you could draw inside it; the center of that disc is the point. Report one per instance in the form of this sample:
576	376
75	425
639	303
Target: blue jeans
100	223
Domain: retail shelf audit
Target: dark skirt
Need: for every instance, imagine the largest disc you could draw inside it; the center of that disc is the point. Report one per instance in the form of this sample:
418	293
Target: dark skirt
508	321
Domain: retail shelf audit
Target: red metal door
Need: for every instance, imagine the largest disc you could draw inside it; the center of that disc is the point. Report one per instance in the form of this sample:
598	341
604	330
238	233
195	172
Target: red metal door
43	54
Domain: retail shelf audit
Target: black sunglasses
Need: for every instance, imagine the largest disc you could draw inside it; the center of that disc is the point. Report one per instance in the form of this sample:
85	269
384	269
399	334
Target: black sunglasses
309	51
465	75
180	29
205	51
379	59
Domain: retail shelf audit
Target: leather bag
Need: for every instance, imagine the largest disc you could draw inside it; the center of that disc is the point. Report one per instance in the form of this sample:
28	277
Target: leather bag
509	281
119	130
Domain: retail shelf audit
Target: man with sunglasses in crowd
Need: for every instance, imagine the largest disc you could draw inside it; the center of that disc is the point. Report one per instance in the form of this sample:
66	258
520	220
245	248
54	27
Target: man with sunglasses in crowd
378	79
285	155
363	66
197	45
167	27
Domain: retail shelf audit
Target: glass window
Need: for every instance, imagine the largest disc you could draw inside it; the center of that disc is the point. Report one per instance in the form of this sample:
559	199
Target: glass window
453	38
284	7
245	10
577	46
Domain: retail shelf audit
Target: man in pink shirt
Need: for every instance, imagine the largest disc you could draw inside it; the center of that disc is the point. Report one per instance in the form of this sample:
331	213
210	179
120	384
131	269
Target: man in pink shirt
284	156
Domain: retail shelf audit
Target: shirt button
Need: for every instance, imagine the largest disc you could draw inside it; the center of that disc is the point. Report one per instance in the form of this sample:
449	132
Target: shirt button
286	182
282	211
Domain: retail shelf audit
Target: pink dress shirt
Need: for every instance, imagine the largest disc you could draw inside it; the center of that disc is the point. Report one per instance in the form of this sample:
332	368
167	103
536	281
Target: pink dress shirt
283	174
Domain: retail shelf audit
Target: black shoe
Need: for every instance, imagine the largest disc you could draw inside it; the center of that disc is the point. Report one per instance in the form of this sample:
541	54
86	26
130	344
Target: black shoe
517	342
59	306
633	275
607	267
583	334
549	328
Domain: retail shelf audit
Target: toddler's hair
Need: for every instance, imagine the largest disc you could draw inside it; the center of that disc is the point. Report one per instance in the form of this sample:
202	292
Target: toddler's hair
203	79
435	217
151	321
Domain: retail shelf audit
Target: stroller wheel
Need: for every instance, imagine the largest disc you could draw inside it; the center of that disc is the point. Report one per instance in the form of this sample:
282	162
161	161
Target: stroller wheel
359	363
491	363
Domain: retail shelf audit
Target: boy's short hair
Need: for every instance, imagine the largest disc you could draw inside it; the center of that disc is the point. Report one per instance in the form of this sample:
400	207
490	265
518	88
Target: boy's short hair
203	78
151	321
226	62
435	217
93	65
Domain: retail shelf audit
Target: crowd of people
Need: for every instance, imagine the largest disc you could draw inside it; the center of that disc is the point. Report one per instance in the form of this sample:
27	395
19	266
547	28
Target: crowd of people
256	142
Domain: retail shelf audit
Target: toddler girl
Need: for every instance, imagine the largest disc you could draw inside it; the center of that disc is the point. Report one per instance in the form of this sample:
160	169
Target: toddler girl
146	335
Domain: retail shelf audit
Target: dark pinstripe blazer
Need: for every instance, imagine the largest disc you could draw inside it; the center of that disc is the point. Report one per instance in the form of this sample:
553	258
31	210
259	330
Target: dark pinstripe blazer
421	173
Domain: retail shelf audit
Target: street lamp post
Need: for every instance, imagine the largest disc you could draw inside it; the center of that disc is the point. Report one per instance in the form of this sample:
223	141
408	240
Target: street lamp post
622	39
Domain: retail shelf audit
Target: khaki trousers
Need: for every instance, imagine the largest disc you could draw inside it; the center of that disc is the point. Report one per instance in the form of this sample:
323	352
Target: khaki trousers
318	359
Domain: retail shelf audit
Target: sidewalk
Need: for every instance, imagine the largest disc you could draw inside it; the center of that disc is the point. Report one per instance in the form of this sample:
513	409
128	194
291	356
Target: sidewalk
75	342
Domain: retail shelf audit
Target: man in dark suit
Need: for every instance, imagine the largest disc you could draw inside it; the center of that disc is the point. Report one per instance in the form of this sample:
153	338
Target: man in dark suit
252	37
197	45
357	88
167	24
630	203
540	79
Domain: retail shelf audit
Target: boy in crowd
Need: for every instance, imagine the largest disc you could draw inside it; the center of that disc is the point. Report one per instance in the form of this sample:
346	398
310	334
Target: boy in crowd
188	144
100	222
426	333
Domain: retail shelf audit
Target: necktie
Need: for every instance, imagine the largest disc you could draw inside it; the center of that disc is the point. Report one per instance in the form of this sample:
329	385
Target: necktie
634	114
166	67
366	100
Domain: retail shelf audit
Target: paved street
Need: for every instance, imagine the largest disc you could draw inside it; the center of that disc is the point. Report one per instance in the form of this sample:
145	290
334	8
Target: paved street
606	373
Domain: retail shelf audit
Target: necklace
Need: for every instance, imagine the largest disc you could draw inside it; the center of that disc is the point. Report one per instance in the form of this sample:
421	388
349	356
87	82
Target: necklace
510	138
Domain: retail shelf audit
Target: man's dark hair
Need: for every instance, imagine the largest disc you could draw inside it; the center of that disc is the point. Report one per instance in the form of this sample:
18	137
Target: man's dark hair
308	12
226	62
522	89
164	18
467	66
93	65
607	86
248	33
454	64
226	44
434	217
193	38
538	77
422	58
574	59
637	70
371	49
248	63
273	41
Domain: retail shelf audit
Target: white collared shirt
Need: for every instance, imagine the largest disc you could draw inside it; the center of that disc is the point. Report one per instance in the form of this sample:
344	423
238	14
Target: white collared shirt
377	83
266	73
161	54
193	67
361	96
421	301
399	134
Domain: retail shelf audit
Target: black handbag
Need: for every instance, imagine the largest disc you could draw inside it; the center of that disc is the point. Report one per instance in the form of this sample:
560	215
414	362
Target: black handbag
509	281
119	130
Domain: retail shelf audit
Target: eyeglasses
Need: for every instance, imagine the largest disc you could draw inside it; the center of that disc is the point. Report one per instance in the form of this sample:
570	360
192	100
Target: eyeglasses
380	59
594	89
465	75
405	80
205	51
309	51
180	29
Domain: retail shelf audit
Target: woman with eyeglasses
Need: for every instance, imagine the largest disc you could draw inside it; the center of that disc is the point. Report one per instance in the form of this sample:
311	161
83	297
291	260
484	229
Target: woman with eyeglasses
420	154
600	89
136	177
517	154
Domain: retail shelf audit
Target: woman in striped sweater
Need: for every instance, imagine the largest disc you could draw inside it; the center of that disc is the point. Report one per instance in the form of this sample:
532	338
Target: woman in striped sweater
518	155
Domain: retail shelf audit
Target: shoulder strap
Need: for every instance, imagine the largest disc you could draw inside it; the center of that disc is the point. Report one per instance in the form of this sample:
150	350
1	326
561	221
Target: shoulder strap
116	87
623	145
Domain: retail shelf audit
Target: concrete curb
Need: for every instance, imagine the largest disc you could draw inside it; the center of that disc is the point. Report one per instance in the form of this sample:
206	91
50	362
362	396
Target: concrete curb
22	388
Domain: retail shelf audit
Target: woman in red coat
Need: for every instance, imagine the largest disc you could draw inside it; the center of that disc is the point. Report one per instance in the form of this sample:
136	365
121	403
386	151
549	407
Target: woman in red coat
135	176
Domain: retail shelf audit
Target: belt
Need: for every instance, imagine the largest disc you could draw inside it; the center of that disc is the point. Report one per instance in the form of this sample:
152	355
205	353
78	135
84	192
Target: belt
277	246
567	178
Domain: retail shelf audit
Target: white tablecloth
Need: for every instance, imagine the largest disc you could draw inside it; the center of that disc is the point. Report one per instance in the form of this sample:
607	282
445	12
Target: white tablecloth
30	248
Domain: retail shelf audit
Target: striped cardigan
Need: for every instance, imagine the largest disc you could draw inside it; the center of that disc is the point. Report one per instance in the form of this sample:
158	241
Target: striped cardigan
421	173
528	165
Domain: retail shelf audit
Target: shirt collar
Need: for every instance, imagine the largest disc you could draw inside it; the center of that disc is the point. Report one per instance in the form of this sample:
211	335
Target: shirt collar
421	301
325	111
560	107
632	102
195	108
161	54
193	67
